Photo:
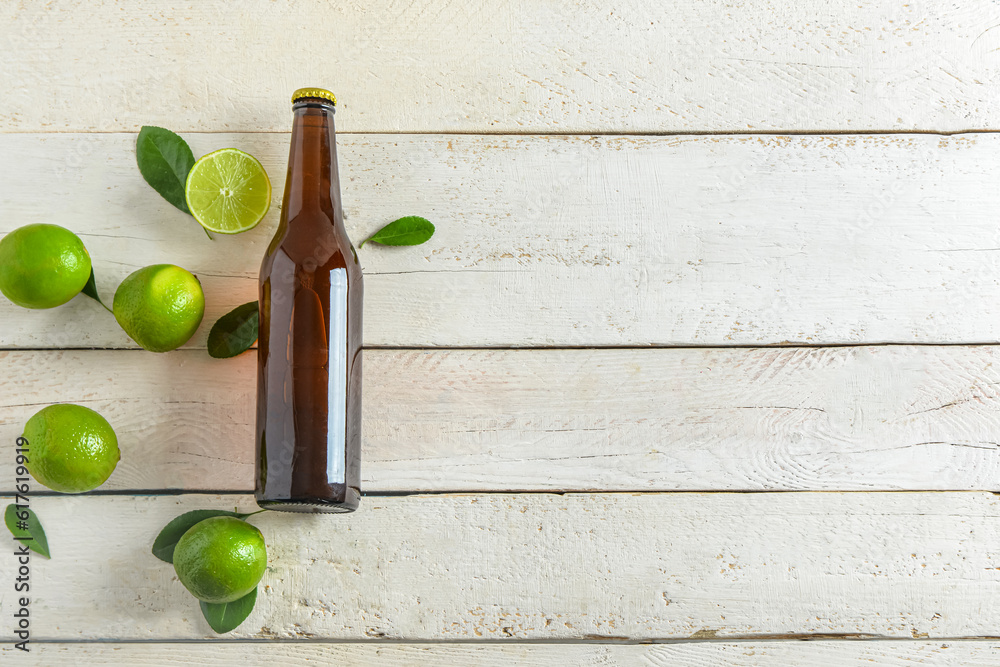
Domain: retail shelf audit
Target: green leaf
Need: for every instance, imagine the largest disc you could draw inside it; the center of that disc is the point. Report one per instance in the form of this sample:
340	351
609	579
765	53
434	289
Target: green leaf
411	230
164	160
90	289
163	545
235	331
228	616
34	532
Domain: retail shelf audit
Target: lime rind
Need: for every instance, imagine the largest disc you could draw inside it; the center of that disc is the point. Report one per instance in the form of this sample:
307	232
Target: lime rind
228	191
43	265
220	559
73	449
160	306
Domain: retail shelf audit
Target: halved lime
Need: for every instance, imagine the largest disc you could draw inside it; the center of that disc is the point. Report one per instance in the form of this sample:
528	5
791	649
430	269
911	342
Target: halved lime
228	191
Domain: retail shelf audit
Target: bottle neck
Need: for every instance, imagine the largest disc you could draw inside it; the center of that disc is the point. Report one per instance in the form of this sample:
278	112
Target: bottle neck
313	182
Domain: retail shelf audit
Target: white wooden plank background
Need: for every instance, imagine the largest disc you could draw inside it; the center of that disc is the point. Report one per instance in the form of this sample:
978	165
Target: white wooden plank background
460	420
541	566
546	239
576	240
504	66
871	653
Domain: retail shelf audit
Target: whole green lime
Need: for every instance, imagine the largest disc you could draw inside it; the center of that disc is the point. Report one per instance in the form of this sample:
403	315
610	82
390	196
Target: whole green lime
160	306
71	448
220	559
42	266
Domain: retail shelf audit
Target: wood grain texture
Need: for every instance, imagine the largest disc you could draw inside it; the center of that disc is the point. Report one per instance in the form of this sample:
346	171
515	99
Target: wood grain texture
871	653
507	66
565	241
538	566
875	418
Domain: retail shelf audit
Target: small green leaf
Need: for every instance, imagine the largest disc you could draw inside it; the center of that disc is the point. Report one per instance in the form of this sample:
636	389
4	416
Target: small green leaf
90	289
36	541
411	230
235	331
163	545
164	160
228	616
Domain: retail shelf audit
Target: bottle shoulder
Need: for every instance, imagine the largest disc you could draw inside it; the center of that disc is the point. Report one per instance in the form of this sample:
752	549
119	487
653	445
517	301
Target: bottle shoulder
313	249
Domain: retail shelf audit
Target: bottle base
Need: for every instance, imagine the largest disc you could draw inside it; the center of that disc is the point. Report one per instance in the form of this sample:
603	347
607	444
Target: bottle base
306	506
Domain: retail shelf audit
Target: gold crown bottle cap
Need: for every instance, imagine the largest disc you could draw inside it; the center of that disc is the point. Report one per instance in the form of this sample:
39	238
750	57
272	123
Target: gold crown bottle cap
302	93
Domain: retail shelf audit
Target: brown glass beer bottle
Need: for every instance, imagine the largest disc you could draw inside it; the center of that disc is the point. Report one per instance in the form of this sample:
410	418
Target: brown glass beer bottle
309	350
